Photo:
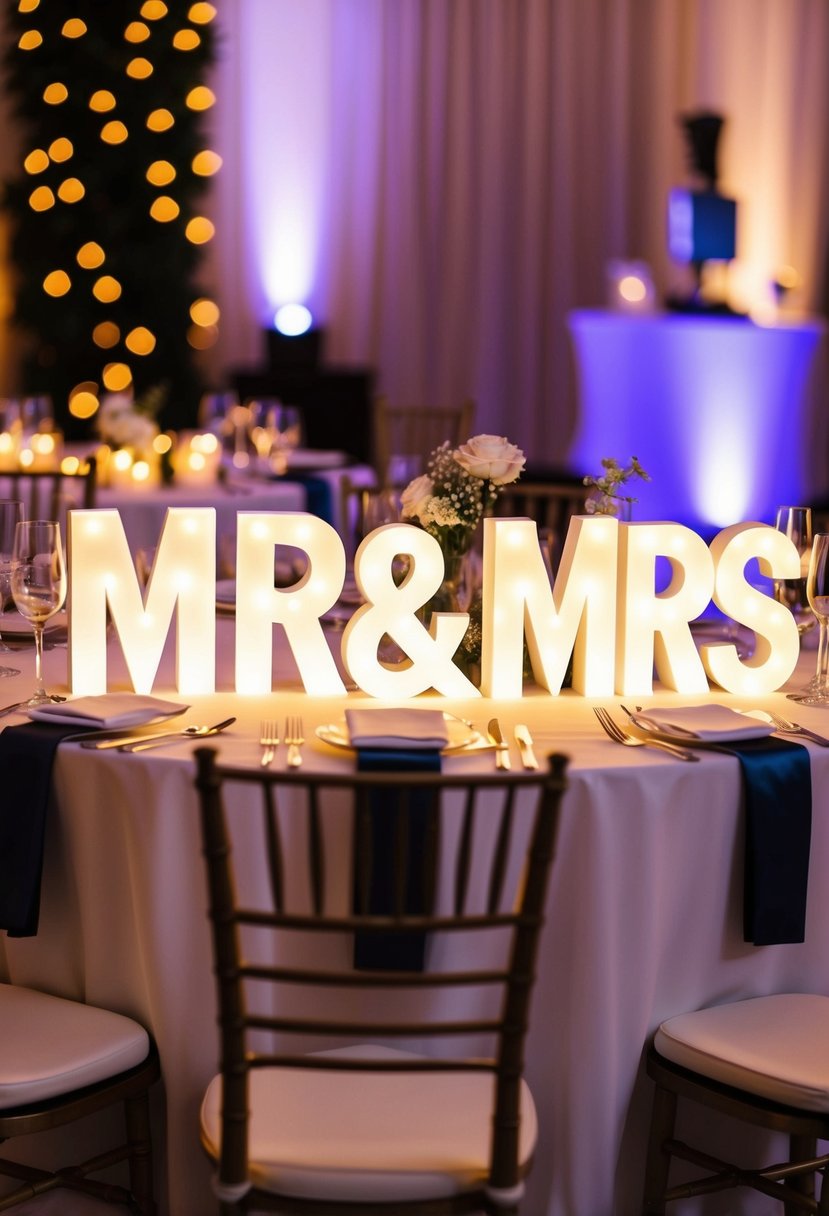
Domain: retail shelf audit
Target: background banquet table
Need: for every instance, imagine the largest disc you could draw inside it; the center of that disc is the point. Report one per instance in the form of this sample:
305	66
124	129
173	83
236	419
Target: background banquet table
314	484
644	918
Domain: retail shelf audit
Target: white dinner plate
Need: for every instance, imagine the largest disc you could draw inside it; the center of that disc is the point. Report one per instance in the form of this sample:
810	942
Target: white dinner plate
461	737
14	624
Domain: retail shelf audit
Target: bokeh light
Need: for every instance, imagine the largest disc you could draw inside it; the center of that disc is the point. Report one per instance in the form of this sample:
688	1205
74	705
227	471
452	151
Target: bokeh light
102	100
106	289
161	173
90	255
41	199
206	163
141	341
160	120
199	230
114	132
61	149
117	377
204	311
71	190
200	98
83	399
186	40
139	68
106	334
55	94
137	31
57	283
164	209
36	161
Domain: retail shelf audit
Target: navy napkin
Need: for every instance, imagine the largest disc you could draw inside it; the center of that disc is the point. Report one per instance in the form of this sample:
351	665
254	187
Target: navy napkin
393	951
26	756
778	794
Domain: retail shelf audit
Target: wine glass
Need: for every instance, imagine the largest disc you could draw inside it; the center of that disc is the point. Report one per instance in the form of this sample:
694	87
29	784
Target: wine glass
38	584
817	590
11	513
796	523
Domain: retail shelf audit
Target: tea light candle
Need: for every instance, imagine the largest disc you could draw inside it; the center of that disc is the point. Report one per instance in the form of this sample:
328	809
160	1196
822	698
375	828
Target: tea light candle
196	459
132	470
9	451
42	452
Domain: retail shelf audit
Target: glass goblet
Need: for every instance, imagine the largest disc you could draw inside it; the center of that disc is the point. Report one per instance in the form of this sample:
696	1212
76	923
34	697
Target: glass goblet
11	513
796	523
38	585
817	590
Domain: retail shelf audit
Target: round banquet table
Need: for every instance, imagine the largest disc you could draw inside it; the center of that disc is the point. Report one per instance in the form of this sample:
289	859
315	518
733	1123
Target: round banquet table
643	921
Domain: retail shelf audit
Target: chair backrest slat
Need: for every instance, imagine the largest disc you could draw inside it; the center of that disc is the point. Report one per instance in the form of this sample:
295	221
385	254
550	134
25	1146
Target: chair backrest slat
273	846
49	495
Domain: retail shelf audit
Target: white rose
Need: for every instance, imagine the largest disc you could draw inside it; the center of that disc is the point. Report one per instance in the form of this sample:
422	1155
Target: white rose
414	498
492	458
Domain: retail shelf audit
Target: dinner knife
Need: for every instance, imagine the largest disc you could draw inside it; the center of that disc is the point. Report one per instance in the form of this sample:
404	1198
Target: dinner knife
525	745
501	748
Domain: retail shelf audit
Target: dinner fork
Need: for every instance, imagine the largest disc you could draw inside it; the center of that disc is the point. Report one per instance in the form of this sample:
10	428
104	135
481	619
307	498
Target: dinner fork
784	727
618	735
268	741
294	739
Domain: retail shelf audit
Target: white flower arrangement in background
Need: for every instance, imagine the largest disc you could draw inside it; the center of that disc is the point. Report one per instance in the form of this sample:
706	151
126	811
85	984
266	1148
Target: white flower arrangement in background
123	422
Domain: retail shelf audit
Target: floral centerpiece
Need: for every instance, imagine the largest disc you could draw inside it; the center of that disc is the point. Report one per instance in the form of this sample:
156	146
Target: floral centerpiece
606	498
449	501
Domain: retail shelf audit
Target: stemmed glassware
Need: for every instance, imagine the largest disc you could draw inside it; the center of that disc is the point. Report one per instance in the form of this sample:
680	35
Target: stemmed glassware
38	585
796	523
11	513
817	590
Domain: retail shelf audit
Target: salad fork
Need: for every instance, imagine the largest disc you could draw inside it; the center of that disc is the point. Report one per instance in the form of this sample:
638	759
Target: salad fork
268	741
294	739
618	735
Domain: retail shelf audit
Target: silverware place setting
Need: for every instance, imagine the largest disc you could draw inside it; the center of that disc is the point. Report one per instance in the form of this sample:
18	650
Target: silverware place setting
621	736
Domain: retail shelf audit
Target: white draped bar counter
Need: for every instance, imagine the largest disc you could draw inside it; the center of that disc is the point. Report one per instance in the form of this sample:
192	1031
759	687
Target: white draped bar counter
720	411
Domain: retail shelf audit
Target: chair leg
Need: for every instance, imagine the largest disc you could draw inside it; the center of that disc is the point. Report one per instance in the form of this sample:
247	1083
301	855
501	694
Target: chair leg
137	1115
663	1117
801	1148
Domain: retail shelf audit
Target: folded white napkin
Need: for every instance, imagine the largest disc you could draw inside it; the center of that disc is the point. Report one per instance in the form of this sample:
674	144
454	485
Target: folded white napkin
108	710
419	729
709	723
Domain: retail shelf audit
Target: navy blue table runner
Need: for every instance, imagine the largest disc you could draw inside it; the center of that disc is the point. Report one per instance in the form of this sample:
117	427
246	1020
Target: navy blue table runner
26	756
402	951
777	781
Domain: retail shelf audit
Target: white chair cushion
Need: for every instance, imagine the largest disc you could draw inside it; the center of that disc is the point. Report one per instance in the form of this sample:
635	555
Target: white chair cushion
774	1046
51	1046
367	1137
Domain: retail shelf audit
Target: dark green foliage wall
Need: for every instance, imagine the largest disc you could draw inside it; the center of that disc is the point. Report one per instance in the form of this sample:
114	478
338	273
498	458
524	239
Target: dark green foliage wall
154	262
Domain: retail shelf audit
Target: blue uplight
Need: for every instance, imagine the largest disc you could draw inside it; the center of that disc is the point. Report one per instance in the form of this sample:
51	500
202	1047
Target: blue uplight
292	320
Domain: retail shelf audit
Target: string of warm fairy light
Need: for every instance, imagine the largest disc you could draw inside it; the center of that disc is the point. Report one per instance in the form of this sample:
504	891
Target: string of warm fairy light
156	23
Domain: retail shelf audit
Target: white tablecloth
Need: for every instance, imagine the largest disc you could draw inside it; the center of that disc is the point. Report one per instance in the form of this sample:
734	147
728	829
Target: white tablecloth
644	920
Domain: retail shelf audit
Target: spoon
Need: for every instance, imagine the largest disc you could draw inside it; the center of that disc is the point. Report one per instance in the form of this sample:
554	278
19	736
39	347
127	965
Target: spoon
189	732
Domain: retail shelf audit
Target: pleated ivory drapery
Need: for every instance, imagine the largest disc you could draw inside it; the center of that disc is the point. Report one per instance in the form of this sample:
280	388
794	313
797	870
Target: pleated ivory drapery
475	163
